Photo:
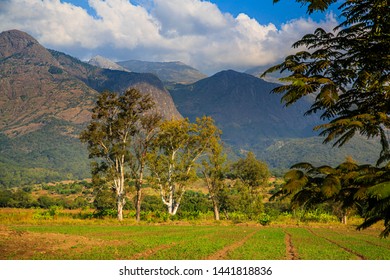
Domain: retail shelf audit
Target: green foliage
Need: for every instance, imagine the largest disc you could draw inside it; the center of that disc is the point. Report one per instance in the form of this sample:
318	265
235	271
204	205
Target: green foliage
55	70
315	5
116	119
104	199
152	203
264	219
347	71
49	214
177	147
239	199
195	202
251	171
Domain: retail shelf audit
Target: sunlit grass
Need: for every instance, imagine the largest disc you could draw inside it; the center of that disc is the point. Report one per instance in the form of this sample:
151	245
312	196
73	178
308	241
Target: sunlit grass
311	247
65	236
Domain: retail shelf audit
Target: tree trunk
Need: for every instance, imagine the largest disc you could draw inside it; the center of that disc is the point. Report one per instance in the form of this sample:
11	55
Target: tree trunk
216	210
120	204
344	218
138	204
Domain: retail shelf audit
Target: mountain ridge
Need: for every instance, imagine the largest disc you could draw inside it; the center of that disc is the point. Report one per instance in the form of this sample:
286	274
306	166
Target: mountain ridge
171	72
46	98
240	102
253	119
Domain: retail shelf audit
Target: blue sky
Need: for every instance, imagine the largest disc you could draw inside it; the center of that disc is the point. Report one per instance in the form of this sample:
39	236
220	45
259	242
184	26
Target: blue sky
209	35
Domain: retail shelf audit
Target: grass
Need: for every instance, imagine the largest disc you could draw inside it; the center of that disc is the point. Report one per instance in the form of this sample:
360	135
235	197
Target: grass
266	244
64	237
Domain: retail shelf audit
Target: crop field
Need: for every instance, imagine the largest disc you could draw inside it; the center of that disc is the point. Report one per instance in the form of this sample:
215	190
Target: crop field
110	240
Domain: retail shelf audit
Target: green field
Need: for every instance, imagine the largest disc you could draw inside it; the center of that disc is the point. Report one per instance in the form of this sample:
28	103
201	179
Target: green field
110	240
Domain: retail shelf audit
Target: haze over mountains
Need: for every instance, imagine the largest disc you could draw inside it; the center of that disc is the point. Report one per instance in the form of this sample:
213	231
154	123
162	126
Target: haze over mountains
168	72
46	99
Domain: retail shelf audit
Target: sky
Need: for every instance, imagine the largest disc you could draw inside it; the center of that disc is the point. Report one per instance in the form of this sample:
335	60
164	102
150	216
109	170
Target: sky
208	35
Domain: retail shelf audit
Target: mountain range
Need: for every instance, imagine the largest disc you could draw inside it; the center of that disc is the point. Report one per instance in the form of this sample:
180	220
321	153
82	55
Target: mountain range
46	99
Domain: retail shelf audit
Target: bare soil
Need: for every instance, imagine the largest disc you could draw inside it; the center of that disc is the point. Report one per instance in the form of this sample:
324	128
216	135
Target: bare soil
291	252
23	245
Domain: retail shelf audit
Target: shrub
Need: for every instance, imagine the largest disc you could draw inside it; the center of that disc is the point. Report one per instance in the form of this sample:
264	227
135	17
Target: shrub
264	219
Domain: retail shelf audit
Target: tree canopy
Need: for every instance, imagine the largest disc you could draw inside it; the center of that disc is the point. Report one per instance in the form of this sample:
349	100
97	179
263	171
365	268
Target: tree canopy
115	120
347	70
315	5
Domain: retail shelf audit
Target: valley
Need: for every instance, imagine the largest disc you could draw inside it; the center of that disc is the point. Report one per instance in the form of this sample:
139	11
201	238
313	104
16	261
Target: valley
47	96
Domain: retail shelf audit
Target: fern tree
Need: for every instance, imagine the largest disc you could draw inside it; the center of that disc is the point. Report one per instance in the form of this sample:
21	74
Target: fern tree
309	186
356	186
347	71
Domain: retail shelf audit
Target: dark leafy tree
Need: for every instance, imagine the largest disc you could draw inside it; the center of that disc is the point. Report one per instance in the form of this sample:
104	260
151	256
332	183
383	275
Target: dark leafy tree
114	123
363	187
251	171
315	5
348	72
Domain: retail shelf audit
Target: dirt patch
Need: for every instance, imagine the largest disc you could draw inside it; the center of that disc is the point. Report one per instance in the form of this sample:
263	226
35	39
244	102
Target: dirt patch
291	252
221	254
24	245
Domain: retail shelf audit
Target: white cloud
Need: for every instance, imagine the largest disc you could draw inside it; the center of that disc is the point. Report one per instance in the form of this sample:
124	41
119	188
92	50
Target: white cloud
193	31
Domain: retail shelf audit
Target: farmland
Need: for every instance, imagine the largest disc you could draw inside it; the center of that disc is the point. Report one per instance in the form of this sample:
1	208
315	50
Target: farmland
106	239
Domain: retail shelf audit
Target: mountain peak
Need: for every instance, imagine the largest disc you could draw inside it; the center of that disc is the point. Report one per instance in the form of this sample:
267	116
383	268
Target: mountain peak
15	41
103	62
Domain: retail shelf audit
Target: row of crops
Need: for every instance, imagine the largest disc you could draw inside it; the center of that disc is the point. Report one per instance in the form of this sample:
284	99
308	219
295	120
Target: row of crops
168	242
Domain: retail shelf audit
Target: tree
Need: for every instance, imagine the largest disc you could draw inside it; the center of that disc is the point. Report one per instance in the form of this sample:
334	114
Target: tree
363	187
177	147
315	5
310	186
214	170
251	171
142	144
348	72
109	134
252	174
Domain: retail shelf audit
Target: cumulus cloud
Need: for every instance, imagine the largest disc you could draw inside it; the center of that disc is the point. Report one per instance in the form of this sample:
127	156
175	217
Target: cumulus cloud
193	31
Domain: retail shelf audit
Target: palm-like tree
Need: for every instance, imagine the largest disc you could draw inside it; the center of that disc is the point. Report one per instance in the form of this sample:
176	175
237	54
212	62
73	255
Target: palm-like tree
364	187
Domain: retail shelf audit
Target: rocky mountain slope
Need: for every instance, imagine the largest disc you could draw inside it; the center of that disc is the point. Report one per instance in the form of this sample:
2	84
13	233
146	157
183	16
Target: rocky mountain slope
46	99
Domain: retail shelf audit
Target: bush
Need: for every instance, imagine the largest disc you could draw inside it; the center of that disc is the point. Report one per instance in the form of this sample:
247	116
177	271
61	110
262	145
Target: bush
264	219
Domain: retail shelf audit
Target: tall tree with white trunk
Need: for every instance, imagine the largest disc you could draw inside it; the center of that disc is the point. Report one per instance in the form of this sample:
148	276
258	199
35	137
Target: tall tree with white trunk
115	122
177	148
